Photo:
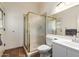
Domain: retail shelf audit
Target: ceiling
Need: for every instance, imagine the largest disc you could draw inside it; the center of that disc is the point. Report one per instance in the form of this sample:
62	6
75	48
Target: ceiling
40	6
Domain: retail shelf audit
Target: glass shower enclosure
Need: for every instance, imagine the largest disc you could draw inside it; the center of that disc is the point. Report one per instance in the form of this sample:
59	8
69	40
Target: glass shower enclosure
34	31
36	27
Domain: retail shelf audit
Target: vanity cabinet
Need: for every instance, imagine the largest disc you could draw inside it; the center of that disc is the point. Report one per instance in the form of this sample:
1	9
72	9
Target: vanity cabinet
63	51
58	50
72	53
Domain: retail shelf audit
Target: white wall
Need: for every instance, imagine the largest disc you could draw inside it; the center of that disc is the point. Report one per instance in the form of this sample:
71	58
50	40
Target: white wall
14	22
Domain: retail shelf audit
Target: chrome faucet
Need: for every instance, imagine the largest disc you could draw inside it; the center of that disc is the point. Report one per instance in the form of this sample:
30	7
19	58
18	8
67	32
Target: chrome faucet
74	38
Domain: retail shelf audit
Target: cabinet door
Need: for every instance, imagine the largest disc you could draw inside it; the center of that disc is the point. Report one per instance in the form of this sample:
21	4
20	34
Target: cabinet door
72	53
58	51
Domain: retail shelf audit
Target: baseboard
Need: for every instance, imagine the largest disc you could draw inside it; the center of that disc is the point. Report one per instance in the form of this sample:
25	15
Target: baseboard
7	48
14	48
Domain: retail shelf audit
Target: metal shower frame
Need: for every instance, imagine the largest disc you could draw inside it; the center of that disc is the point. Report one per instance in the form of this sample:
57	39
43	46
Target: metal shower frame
28	27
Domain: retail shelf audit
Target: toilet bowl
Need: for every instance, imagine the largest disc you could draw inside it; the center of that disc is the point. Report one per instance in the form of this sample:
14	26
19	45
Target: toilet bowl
45	50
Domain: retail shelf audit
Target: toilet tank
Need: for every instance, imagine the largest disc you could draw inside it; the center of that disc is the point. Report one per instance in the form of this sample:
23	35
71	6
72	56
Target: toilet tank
49	41
50	38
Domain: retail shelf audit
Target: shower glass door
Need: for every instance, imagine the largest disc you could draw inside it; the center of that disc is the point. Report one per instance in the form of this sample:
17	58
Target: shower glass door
35	31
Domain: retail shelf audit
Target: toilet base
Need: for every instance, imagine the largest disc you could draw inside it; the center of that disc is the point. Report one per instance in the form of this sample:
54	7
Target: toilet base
45	55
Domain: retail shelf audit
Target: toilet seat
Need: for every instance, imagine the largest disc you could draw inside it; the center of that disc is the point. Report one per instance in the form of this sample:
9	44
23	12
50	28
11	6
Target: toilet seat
43	48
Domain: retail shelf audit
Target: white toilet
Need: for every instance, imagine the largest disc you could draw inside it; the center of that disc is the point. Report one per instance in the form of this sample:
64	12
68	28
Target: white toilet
44	50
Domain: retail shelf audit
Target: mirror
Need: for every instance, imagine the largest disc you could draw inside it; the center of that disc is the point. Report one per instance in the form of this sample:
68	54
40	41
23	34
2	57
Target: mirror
58	27
67	22
50	25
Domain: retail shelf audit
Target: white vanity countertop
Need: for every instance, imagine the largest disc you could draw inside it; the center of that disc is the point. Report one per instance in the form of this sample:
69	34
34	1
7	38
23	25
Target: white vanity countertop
67	43
64	40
